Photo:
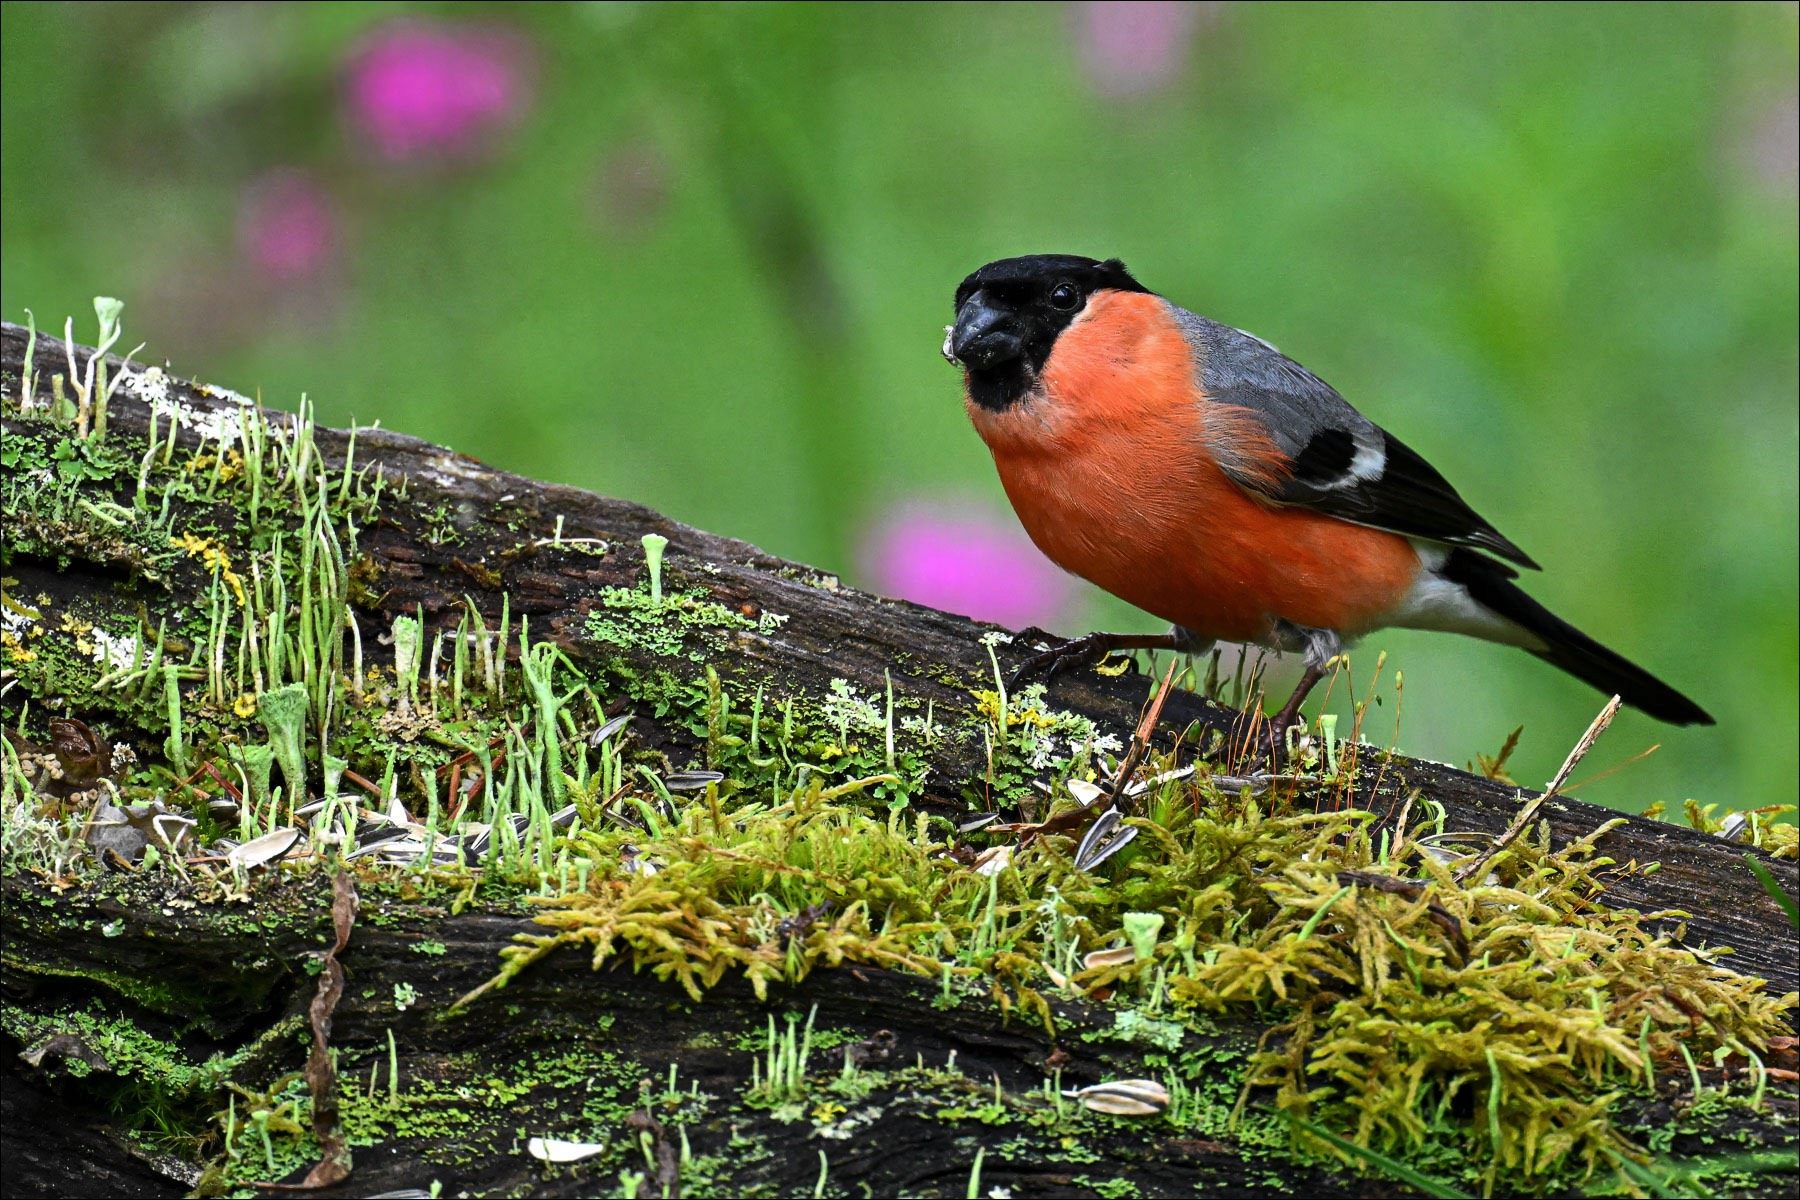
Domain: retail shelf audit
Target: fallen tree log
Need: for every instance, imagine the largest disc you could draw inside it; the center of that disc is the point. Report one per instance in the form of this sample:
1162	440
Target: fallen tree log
238	617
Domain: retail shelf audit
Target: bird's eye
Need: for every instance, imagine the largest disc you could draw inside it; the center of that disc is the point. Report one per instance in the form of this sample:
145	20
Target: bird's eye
1065	296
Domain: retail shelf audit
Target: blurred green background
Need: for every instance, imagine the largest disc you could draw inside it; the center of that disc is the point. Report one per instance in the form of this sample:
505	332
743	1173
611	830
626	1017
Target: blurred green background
701	256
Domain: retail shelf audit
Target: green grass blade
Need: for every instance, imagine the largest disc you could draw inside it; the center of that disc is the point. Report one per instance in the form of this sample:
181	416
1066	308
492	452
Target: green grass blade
1775	889
1394	1169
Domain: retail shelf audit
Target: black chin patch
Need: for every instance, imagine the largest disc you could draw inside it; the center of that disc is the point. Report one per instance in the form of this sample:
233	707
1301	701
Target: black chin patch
999	388
1023	286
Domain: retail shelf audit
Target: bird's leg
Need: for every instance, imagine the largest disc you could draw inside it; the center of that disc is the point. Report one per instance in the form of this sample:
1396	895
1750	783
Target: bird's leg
1321	647
1290	712
1093	648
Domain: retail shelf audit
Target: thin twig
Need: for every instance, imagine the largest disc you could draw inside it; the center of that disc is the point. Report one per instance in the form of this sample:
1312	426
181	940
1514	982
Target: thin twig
1474	869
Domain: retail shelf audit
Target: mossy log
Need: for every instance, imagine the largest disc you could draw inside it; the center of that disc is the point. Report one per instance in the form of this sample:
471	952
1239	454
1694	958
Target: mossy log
119	987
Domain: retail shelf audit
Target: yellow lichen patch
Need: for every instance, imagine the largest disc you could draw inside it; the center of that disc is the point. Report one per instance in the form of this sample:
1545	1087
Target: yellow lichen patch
16	650
989	706
213	556
78	629
230	465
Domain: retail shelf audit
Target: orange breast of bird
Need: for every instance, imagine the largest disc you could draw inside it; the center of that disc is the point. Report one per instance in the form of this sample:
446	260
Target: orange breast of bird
1107	464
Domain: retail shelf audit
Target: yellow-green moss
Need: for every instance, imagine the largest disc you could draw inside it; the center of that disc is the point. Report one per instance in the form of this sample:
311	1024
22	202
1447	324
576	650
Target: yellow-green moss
1499	1018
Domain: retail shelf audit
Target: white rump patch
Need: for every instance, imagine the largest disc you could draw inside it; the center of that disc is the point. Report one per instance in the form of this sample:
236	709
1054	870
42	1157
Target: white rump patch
1442	604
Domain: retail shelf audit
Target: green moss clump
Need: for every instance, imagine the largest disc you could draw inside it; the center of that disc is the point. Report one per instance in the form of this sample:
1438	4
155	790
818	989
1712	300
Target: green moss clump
1489	1027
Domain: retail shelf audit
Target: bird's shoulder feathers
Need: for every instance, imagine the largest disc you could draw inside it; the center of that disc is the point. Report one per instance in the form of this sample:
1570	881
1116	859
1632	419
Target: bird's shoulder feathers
1331	457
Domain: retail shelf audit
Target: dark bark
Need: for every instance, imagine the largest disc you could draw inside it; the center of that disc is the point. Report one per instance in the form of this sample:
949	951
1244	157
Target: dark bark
464	530
459	1073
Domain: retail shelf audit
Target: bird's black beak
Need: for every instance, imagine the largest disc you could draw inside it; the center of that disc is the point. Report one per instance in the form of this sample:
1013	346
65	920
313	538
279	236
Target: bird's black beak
983	336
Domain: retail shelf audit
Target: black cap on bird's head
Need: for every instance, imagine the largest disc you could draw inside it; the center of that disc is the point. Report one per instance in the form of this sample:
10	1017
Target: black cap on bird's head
1009	313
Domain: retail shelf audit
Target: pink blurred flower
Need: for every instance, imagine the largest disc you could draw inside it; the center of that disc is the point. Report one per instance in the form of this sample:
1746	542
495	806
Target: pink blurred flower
435	90
965	560
1133	47
287	226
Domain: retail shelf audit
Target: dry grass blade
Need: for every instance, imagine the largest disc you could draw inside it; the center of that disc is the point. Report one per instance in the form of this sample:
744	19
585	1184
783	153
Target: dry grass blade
321	1075
1473	869
1582	747
1140	740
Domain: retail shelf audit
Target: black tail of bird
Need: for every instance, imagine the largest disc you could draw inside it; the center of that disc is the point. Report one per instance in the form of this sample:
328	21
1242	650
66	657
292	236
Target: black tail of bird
1567	647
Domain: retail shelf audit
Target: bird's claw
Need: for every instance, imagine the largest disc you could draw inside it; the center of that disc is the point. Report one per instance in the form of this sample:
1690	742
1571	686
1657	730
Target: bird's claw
1081	651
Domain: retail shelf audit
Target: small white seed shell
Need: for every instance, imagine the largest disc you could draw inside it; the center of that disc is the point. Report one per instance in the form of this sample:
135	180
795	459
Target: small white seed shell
555	1150
1124	1097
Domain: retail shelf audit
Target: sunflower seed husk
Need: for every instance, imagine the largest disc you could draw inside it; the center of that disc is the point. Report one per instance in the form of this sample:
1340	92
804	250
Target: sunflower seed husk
613	726
1144	785
271	847
1085	793
691	781
1111	957
1124	1097
993	860
555	1150
1104	839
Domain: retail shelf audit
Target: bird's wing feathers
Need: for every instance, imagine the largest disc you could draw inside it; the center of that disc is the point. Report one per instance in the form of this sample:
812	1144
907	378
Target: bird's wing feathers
1337	460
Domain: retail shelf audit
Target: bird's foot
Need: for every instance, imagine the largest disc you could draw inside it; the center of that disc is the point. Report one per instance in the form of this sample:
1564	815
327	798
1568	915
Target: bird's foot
1073	652
1254	735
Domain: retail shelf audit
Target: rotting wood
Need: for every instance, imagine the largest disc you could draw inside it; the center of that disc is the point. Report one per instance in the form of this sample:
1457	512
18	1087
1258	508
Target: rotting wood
828	632
520	1043
834	632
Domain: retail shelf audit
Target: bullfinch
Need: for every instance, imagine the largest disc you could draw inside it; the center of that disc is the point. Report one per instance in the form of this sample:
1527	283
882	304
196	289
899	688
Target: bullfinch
1195	471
